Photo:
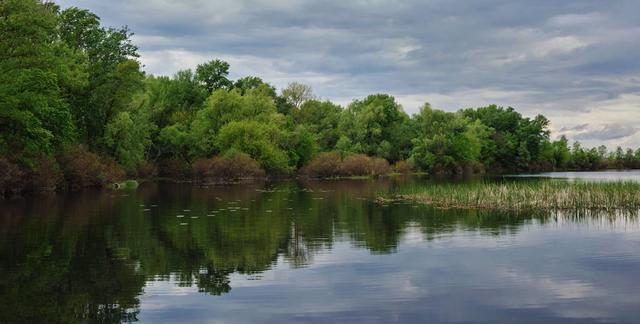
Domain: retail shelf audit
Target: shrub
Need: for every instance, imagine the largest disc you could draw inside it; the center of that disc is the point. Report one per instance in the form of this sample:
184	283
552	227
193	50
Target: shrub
243	166
11	178
356	165
379	166
146	170
403	167
324	165
175	169
327	165
228	168
46	175
83	169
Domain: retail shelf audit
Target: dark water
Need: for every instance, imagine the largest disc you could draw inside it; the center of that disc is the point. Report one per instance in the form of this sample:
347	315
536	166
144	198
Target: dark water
307	252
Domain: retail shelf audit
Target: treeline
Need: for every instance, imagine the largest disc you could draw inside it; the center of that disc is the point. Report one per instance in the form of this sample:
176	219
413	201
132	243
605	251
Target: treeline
76	110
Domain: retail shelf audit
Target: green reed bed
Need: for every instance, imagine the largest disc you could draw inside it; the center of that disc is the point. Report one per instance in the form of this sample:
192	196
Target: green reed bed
525	195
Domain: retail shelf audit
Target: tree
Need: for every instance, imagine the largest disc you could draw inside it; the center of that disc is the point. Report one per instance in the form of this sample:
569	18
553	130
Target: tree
297	94
250	83
561	153
127	137
213	75
257	139
373	123
34	116
224	107
446	142
113	72
321	118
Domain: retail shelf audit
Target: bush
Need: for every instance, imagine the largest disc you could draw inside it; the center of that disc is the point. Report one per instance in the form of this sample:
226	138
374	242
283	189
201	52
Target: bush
83	169
355	165
11	178
324	165
46	175
403	167
327	165
146	170
175	169
224	169
379	166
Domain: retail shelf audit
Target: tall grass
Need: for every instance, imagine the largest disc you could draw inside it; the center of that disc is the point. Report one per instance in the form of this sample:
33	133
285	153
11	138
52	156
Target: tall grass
526	195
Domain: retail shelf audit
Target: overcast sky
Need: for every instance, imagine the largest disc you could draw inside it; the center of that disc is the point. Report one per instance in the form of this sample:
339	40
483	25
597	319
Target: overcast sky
577	62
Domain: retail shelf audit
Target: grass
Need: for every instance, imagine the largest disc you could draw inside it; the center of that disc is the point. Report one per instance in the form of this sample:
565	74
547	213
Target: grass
526	195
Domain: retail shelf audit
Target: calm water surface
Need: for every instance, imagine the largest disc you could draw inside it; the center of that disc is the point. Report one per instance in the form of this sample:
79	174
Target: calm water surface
307	252
611	175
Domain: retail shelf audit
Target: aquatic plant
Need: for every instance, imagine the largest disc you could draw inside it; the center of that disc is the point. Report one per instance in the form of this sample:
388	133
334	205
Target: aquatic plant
525	195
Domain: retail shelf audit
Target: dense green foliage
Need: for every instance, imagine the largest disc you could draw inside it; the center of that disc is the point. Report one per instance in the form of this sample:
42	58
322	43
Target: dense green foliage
67	84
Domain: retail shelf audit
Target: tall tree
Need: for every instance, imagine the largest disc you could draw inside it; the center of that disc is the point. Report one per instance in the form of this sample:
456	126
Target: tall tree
34	116
297	94
214	75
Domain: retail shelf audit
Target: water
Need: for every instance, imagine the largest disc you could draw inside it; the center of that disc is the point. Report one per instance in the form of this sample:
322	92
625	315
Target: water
307	252
611	175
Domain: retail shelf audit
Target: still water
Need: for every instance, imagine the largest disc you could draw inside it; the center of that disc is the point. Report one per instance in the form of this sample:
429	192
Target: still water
307	252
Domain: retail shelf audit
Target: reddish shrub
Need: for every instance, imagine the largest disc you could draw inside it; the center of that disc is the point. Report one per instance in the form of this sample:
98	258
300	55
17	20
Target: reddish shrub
356	165
223	169
175	169
324	165
378	166
46	175
11	178
403	167
146	170
83	169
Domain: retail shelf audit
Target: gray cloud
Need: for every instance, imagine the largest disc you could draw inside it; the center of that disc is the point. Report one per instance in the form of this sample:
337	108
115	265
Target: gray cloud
563	59
608	132
577	128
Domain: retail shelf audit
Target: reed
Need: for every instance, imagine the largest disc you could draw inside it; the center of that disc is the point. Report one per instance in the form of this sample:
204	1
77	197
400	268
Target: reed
525	195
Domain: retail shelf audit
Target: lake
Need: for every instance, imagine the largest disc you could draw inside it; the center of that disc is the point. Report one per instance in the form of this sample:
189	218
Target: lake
318	251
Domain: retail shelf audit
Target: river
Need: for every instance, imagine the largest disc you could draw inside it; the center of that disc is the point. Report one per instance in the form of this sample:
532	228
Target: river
318	251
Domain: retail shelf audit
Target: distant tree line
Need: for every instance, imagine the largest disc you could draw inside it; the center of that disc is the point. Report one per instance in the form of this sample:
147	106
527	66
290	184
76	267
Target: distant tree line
76	110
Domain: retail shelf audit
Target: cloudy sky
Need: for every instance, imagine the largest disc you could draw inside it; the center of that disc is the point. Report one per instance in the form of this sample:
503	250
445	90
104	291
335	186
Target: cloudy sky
575	61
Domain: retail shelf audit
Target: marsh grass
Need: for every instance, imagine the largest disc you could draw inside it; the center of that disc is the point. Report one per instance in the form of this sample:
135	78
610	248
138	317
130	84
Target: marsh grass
526	195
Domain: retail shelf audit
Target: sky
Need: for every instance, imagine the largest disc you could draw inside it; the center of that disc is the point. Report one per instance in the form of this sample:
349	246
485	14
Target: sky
575	61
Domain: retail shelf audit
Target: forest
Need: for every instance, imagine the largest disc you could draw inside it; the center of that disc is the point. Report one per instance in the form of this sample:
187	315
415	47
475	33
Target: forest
77	110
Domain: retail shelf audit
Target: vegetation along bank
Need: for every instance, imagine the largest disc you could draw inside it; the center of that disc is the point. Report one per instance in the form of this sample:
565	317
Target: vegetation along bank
77	111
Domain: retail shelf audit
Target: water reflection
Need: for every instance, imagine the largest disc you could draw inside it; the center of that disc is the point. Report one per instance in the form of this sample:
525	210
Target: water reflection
304	252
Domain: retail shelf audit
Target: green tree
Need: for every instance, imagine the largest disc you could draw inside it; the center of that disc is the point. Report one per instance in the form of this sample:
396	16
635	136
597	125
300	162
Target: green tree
113	73
249	83
296	94
128	136
373	123
257	139
224	107
214	75
321	118
34	116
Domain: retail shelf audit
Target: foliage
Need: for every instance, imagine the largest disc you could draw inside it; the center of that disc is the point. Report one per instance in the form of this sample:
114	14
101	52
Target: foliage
83	169
296	94
258	140
213	75
68	82
331	164
233	167
323	165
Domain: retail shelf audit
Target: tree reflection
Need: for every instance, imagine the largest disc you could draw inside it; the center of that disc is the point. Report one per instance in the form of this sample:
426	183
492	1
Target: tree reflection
86	258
